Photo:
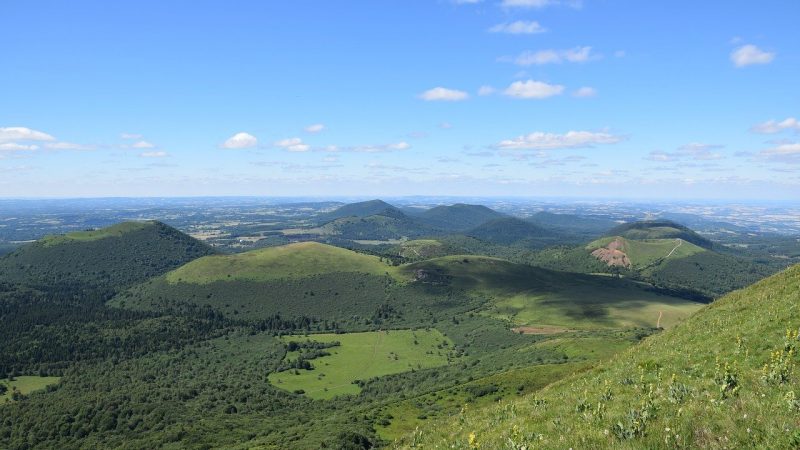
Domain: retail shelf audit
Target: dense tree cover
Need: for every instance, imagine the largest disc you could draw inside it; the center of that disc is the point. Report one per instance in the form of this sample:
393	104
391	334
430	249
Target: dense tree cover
140	252
510	230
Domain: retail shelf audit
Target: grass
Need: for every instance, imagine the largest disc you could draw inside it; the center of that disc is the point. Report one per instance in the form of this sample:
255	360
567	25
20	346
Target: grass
284	262
529	296
644	253
362	356
404	417
25	385
724	378
93	235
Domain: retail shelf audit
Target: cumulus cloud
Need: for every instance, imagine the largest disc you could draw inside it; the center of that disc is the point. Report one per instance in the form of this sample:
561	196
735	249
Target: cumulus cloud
585	91
551	56
293	145
748	55
550	141
443	94
240	140
774	126
23	134
518	27
154	154
130	136
532	89
315	128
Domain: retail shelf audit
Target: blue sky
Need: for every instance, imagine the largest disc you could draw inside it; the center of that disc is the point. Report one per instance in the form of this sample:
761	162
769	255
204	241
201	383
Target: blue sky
591	98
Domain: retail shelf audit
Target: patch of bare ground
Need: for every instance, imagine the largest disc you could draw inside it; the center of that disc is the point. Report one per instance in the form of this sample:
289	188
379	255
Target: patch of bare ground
613	254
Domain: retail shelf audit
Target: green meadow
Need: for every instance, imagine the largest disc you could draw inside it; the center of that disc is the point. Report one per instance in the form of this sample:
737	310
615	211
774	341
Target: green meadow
274	263
362	356
643	253
528	296
25	384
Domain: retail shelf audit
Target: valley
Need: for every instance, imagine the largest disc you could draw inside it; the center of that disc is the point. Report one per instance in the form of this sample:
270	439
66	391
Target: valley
175	343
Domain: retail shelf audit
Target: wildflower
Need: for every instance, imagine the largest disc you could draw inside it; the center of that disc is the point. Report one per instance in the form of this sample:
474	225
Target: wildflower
473	440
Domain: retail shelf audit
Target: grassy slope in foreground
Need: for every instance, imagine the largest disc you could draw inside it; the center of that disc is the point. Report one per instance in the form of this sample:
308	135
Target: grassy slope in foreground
362	356
529	296
722	379
25	385
288	261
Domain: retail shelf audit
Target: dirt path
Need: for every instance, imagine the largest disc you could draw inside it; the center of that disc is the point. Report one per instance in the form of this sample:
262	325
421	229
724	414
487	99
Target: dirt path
680	242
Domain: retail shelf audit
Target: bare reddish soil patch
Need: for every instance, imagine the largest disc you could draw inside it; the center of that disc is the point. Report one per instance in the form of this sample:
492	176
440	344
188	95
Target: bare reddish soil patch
613	254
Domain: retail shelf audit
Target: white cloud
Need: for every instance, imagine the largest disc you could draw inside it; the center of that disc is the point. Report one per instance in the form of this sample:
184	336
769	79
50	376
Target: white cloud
541	57
773	126
533	89
154	154
130	136
443	94
240	140
549	141
67	146
518	27
695	150
747	55
399	146
23	134
585	91
293	145
143	145
15	147
315	128
620	54
486	90
786	153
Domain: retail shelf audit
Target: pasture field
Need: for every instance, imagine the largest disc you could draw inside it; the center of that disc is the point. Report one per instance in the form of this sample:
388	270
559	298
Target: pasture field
25	384
274	263
362	356
528	296
643	253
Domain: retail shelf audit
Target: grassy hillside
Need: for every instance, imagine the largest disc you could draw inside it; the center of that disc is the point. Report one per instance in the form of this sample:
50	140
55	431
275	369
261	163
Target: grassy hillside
115	256
648	252
659	229
724	378
532	297
273	263
458	217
